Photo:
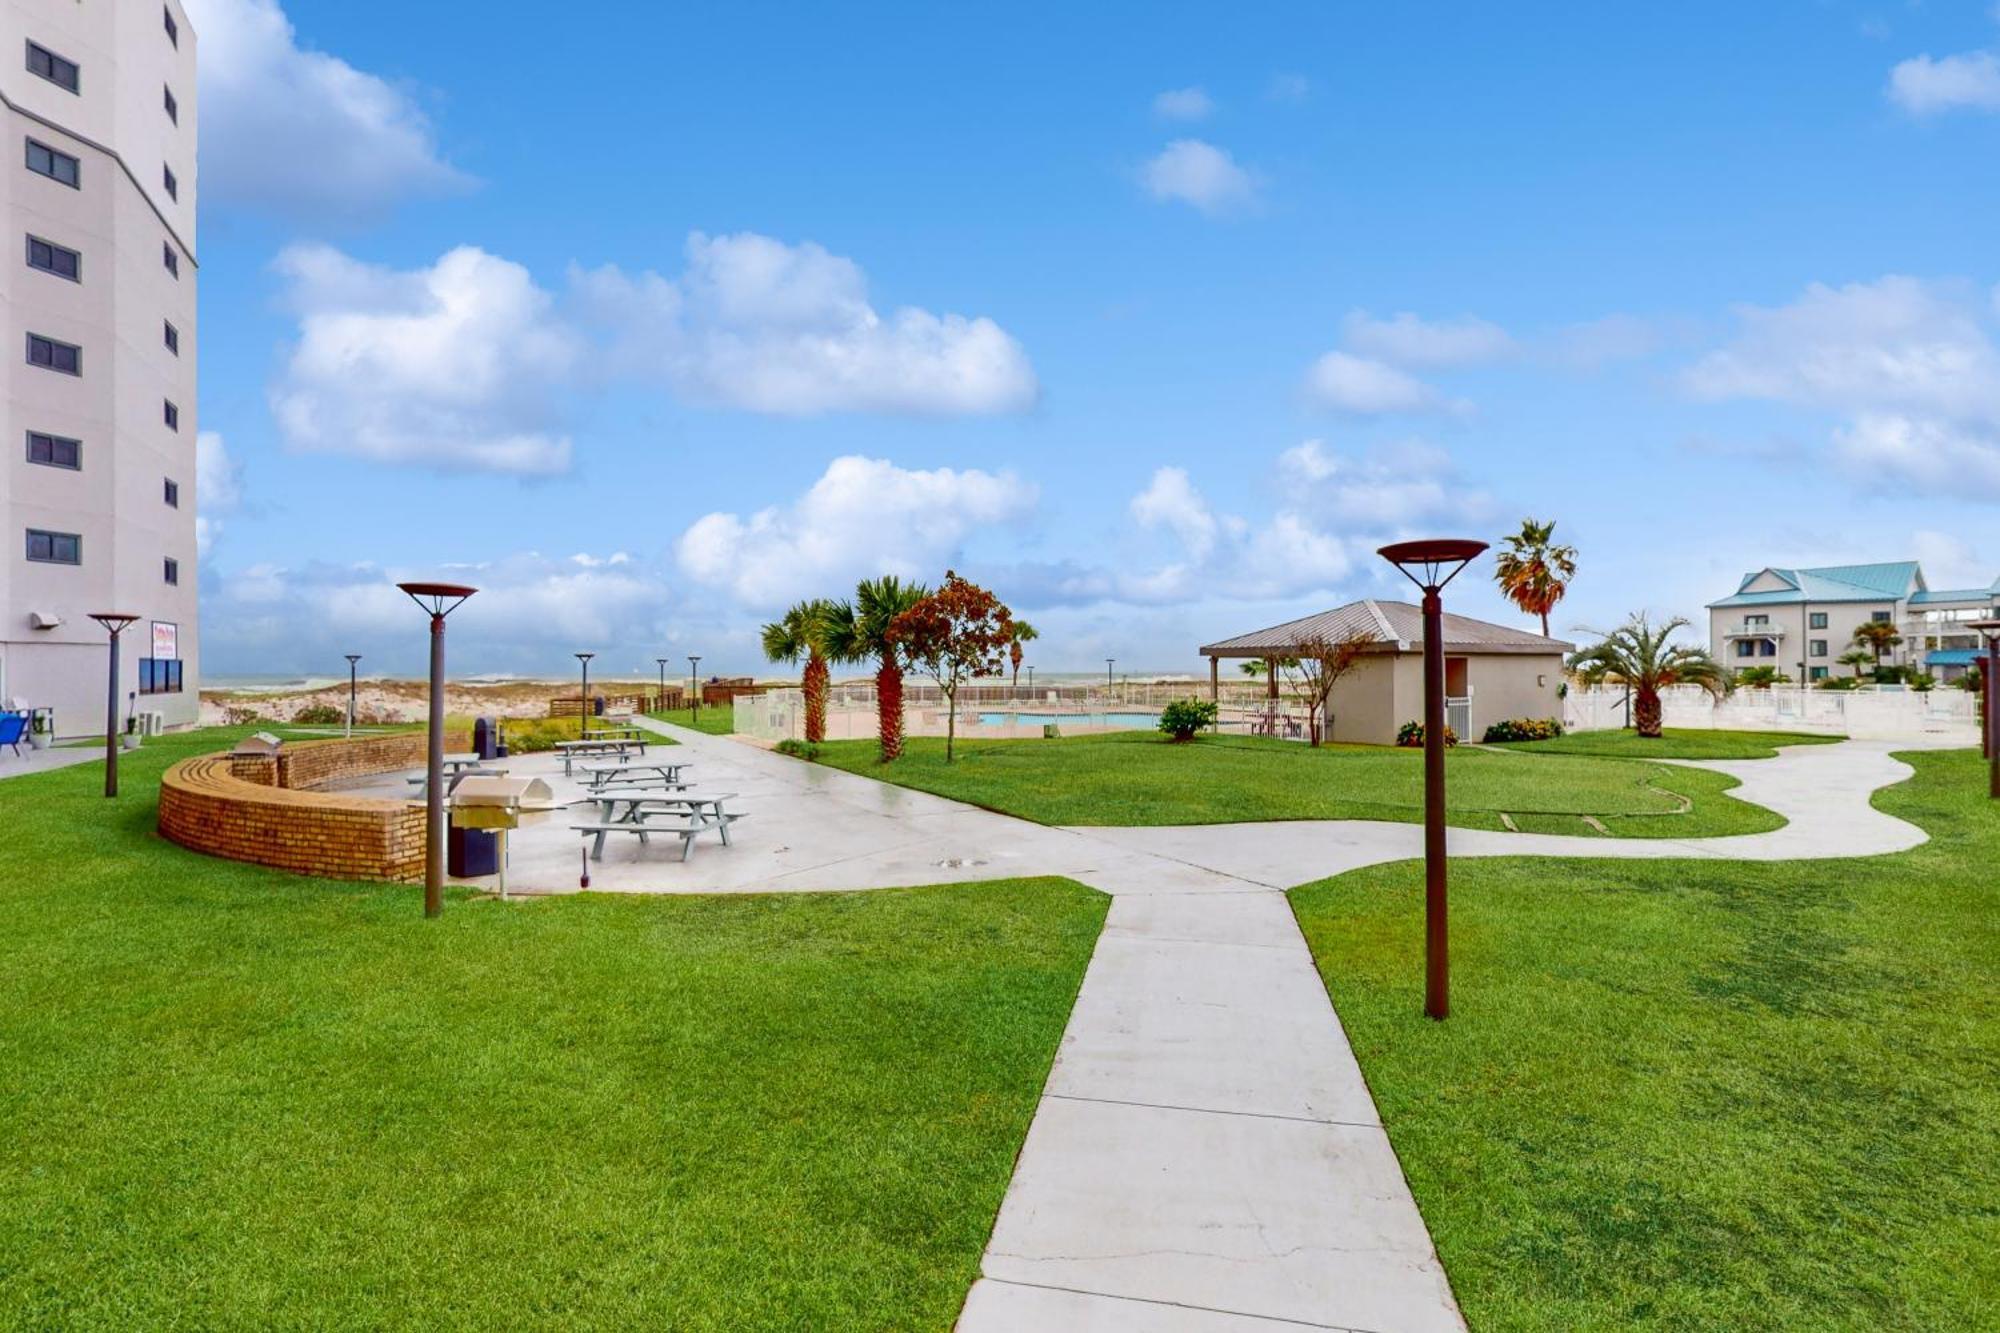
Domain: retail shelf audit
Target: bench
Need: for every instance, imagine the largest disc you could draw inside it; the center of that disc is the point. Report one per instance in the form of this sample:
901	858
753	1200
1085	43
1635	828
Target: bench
685	828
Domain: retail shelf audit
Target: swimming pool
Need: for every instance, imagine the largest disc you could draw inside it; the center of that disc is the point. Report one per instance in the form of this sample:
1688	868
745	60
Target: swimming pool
1126	721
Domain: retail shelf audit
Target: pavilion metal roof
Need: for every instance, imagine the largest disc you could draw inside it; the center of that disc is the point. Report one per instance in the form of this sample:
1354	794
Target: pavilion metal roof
1397	626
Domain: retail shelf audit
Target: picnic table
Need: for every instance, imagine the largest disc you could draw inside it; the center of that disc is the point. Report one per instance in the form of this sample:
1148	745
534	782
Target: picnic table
620	748
642	813
599	776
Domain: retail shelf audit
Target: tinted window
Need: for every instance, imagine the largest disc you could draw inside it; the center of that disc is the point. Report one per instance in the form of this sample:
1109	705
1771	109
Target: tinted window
62	73
173	416
173	28
54	450
173	106
169	258
47	352
173	493
173	339
172	570
167	179
159	675
55	165
54	548
57	259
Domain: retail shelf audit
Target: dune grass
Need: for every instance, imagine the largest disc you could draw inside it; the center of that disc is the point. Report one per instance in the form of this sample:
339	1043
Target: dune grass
238	1098
1132	778
1698	1095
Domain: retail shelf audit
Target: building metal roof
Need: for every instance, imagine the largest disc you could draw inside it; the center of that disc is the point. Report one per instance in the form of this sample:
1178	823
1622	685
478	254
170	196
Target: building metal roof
1398	628
1832	583
1938	657
1972	596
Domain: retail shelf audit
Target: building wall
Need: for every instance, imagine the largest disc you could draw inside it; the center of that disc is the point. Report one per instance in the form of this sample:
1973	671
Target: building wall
1795	647
120	219
1371	705
1363	703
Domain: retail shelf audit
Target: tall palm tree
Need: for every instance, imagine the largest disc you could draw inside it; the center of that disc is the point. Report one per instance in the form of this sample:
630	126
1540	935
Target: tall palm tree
1639	654
801	632
1022	633
858	631
1533	570
1878	636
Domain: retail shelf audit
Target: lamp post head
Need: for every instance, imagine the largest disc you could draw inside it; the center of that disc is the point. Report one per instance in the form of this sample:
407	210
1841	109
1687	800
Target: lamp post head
1433	562
433	597
115	621
352	658
1988	628
583	657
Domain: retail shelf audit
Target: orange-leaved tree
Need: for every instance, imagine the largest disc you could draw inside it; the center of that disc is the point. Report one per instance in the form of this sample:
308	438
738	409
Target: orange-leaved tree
958	632
1533	570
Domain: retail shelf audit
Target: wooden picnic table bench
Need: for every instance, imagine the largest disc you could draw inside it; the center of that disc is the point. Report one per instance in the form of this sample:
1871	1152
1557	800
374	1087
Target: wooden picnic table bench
645	813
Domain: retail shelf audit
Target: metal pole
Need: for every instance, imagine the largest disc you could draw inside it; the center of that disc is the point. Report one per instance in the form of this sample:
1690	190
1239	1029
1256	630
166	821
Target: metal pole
662	703
111	723
585	713
694	682
434	780
352	658
1992	687
1437	964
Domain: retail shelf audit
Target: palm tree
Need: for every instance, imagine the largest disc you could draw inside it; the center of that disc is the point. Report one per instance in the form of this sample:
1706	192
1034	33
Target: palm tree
1533	571
1856	658
1878	636
1022	633
1638	654
858	631
801	632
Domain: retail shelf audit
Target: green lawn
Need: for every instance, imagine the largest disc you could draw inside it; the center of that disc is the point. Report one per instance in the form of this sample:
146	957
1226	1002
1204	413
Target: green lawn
1126	778
1697	1095
715	719
1674	744
235	1098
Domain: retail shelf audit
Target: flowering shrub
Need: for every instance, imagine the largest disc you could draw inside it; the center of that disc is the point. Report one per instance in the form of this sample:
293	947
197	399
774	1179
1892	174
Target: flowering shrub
1412	734
1523	729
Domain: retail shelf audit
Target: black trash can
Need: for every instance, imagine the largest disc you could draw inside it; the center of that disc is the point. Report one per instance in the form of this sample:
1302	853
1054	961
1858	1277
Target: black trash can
471	852
486	737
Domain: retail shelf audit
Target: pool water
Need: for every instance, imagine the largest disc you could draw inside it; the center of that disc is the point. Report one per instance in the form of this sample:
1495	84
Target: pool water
1128	721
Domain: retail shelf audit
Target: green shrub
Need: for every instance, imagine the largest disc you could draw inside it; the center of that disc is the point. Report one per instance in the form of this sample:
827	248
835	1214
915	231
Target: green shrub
805	750
320	715
1923	682
534	735
1412	734
1182	718
1523	729
1838	683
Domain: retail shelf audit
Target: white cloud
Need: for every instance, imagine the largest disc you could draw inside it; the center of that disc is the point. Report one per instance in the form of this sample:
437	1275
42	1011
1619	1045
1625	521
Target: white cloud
1170	501
1594	343
757	324
300	132
1202	175
1950	561
1406	340
862	517
218	488
1344	382
1292	88
454	366
1392	488
1907	362
1183	104
1966	82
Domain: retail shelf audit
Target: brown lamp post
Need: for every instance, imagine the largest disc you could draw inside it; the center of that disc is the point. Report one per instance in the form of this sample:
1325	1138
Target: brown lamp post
1989	689
1431	565
661	704
436	600
115	622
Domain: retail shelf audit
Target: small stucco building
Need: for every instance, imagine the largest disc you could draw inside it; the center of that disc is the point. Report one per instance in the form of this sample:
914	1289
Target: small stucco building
1492	672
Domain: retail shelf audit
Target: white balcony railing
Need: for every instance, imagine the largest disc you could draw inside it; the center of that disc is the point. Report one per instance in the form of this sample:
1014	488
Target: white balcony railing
1754	629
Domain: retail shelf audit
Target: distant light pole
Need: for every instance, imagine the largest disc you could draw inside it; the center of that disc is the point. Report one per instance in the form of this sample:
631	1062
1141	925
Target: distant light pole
436	600
352	658
1109	662
584	712
1031	682
116	622
1431	565
694	680
1989	732
663	683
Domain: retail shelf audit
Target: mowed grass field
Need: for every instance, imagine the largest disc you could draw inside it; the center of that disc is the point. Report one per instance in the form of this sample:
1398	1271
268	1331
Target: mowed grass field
1698	1095
1139	778
235	1098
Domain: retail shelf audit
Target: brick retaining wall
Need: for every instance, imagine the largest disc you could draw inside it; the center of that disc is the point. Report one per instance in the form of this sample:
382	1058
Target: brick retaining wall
264	808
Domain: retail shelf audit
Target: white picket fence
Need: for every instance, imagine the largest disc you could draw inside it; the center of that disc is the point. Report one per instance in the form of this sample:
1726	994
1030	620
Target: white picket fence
1874	713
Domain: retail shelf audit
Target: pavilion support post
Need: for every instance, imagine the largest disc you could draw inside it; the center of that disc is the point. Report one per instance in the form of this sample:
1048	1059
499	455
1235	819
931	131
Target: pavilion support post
1271	679
1215	680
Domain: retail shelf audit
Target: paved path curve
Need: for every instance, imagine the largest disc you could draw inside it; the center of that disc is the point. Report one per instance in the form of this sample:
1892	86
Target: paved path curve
1206	1157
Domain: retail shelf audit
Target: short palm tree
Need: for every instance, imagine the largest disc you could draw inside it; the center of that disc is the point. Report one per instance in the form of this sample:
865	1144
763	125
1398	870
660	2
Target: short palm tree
858	631
1878	636
1857	658
1533	570
801	632
1638	654
1022	633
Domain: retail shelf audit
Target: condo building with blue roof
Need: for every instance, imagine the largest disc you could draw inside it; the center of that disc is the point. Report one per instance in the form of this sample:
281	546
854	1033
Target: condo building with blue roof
1801	620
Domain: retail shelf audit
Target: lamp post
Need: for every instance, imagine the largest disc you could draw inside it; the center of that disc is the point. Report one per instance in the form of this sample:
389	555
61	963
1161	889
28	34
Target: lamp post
584	712
115	622
663	683
1431	565
352	658
694	681
1031	682
1989	732
436	600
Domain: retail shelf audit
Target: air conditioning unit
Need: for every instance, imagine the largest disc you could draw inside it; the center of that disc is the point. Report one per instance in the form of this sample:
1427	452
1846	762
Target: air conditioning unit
152	722
44	620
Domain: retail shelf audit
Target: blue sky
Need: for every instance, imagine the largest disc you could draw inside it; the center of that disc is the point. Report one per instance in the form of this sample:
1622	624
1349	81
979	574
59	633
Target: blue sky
1157	319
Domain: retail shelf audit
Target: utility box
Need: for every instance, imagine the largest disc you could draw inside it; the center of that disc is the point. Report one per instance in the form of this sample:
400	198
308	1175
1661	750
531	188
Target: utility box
486	737
470	853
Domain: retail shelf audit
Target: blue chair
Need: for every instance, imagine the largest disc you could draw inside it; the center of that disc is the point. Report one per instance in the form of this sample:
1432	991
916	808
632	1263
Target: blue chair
13	730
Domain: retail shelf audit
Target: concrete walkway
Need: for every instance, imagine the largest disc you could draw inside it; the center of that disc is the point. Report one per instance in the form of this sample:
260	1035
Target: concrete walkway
1206	1157
41	761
